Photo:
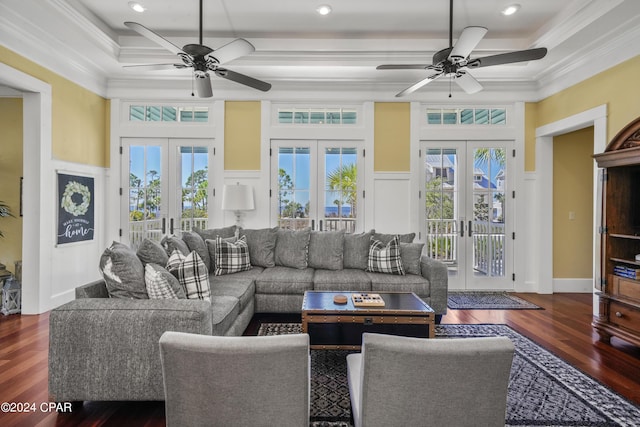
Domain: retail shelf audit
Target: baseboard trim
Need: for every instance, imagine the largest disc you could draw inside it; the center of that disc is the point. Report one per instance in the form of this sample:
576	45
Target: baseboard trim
573	285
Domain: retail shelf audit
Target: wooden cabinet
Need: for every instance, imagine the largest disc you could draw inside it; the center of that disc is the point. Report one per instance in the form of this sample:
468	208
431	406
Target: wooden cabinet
619	296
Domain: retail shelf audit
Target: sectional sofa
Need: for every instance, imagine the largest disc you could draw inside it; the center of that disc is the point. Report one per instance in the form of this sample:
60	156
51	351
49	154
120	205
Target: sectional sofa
104	344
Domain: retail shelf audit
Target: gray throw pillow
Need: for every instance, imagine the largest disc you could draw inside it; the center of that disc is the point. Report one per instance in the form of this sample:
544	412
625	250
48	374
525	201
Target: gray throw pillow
410	254
173	243
356	250
195	243
326	249
151	251
161	284
386	238
123	272
212	233
262	245
292	248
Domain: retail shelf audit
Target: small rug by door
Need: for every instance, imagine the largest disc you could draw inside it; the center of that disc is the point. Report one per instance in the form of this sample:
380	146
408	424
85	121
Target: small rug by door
544	390
487	301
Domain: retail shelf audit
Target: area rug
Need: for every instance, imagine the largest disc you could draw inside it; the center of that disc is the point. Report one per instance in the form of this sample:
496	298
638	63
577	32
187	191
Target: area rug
487	301
544	390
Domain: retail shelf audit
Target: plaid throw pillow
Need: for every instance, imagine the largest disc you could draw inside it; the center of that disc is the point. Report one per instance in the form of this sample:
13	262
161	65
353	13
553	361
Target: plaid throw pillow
385	259
232	257
194	277
161	284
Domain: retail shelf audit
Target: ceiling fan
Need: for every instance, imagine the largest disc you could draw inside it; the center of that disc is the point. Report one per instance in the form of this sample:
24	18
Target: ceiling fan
453	61
203	59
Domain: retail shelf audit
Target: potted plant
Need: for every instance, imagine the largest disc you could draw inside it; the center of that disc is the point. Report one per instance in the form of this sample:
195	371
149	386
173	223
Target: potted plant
5	210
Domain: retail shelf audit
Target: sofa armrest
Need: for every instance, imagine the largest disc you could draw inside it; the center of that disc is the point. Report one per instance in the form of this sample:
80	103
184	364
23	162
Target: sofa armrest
435	272
107	348
96	289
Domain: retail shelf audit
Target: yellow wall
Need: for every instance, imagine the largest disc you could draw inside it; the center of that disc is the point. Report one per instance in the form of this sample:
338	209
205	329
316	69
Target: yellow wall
79	116
573	194
614	87
392	137
242	135
10	173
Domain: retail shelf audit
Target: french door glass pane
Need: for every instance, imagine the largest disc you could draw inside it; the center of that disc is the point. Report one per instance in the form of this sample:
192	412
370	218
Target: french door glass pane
488	215
145	193
340	189
441	206
294	187
194	187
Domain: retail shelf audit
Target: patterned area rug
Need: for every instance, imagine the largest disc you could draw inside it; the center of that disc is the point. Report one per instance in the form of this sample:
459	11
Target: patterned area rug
487	301
543	389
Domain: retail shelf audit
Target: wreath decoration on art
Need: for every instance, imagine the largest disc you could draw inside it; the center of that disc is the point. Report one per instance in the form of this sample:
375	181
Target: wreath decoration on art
69	205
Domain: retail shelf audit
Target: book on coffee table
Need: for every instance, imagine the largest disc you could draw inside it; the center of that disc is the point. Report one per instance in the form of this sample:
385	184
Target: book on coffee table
367	300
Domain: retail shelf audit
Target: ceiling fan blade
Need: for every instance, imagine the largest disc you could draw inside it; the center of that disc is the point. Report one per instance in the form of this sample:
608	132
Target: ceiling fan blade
203	85
418	85
242	79
508	58
156	67
468	83
403	67
232	50
467	41
144	31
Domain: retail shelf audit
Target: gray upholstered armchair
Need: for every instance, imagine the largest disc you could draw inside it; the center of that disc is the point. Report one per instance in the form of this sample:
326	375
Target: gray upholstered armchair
440	382
241	381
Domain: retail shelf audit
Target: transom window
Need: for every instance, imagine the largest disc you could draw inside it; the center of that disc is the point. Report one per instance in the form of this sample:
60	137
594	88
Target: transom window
317	116
167	113
467	116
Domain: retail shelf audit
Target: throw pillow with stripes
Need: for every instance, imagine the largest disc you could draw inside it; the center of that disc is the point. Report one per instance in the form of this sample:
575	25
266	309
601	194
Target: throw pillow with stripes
385	259
194	277
232	257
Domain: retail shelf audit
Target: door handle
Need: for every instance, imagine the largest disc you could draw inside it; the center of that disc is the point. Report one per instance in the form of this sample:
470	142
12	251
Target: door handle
461	228
320	225
313	224
164	225
171	225
470	231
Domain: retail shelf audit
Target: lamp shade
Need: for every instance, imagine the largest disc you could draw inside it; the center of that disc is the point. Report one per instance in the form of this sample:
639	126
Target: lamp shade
237	197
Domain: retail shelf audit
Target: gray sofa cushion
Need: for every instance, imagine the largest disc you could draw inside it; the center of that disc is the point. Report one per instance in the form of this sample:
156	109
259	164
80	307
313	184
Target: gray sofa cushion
212	233
262	245
326	249
123	272
196	243
402	238
292	248
284	280
392	283
224	311
161	284
152	251
341	280
173	243
356	250
410	254
243	289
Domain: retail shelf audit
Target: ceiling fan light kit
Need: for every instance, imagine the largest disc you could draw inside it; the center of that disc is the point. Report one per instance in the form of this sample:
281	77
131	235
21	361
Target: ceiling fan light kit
137	7
510	10
453	61
203	59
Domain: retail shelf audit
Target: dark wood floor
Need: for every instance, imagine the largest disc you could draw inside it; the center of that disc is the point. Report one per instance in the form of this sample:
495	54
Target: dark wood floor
563	327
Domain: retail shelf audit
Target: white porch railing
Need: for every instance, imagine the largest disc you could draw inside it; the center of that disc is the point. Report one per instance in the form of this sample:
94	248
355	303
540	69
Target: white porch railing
488	244
328	224
152	229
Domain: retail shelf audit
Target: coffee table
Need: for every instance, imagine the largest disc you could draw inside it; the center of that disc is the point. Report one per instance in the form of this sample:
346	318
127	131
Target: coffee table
340	326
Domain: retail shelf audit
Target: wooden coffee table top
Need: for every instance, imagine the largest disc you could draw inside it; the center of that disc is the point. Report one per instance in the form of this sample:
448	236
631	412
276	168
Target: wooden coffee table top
406	303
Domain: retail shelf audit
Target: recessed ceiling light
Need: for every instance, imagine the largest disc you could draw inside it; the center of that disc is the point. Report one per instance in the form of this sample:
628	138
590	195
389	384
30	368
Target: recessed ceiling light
323	9
511	9
136	6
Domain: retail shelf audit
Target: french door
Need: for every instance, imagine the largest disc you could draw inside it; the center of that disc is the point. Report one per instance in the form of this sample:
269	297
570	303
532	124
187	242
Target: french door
316	184
467	201
165	185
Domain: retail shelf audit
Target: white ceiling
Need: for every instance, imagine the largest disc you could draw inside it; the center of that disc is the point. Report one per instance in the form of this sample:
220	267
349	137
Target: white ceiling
296	48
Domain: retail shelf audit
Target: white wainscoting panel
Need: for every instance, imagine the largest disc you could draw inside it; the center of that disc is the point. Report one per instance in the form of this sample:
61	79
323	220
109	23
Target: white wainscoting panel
391	200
